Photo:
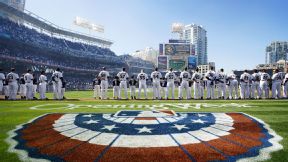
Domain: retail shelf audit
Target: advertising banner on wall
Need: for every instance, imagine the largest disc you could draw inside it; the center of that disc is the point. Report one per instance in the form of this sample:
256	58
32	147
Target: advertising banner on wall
177	65
192	62
161	49
162	63
177	49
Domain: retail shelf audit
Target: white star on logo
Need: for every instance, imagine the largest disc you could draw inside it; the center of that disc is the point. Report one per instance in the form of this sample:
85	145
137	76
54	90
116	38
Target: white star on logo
180	127
144	129
198	121
91	121
89	116
109	127
201	115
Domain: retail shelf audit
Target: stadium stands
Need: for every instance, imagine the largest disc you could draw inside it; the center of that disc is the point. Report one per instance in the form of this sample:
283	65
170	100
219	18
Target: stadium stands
27	48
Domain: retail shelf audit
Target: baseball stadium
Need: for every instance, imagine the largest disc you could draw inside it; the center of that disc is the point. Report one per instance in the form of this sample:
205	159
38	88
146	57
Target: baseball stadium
66	95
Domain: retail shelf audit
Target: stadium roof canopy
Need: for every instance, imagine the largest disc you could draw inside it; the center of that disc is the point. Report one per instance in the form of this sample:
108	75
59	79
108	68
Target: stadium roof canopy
36	21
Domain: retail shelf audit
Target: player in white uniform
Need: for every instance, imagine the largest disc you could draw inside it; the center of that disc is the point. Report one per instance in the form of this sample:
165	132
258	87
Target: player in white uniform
210	76
156	76
264	84
28	77
233	86
276	84
196	78
104	82
170	77
255	84
221	86
2	78
142	78
42	85
12	79
123	76
244	85
184	77
57	79
285	86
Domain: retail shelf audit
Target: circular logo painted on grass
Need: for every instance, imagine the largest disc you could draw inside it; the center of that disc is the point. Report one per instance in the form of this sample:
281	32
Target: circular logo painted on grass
145	136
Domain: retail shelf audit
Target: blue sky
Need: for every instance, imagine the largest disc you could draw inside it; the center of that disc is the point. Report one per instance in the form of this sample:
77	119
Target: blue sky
238	30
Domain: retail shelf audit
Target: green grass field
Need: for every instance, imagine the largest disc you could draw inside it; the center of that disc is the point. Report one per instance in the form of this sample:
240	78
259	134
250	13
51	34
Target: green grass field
13	113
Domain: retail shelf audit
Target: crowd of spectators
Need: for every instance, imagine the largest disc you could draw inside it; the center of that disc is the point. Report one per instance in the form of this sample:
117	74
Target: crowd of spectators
26	46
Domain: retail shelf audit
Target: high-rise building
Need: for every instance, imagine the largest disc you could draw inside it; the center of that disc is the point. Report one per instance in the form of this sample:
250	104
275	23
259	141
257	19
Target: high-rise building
198	37
148	54
276	51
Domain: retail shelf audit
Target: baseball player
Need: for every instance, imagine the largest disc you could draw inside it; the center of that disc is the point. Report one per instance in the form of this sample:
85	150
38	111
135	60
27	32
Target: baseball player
42	86
285	86
276	84
96	87
123	76
196	78
6	89
264	84
35	84
221	78
170	77
63	89
163	83
210	76
255	84
12	79
116	88
132	85
142	78
104	82
28	77
184	79
57	80
2	78
22	91
155	77
233	86
244	85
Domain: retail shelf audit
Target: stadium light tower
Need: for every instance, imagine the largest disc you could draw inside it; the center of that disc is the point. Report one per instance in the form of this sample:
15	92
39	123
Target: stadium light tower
178	28
88	25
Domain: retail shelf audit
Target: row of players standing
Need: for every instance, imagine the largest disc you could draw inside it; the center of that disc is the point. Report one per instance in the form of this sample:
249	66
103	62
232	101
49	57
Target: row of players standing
249	84
27	85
